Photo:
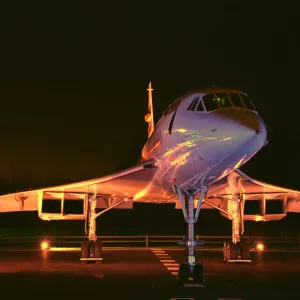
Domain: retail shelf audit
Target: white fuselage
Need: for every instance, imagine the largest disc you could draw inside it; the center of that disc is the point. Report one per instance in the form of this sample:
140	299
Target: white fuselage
201	144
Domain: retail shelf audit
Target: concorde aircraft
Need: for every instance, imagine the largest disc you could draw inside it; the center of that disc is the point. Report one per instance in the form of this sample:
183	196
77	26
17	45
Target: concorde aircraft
191	159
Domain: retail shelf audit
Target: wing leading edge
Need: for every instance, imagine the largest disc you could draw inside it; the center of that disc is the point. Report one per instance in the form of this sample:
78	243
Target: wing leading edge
131	182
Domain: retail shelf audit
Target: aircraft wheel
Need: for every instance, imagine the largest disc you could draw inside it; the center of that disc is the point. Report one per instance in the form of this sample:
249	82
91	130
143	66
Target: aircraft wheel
231	251
85	251
183	273
98	249
246	250
198	274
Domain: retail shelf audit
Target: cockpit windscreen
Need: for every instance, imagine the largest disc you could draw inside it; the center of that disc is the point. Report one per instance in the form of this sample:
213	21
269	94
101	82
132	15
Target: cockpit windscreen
210	102
215	101
247	101
223	100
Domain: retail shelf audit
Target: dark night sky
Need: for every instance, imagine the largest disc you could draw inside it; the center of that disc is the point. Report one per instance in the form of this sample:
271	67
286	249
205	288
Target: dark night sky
74	78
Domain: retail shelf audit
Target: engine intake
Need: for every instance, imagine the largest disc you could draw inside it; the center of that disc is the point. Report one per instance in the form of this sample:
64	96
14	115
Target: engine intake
265	208
62	206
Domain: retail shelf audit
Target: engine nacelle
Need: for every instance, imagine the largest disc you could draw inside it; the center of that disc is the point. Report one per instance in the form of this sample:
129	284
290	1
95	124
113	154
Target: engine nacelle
62	205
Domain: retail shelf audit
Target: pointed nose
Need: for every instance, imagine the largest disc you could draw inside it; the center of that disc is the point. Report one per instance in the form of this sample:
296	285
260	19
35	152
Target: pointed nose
243	125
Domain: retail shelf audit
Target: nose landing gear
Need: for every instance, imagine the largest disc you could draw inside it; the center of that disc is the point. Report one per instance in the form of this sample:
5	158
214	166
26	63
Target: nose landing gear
190	272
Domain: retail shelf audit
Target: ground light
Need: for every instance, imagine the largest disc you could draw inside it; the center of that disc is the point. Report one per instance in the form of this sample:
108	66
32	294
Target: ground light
260	247
45	245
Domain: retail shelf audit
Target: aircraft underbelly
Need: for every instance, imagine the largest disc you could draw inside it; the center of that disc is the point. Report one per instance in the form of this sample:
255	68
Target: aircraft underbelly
189	173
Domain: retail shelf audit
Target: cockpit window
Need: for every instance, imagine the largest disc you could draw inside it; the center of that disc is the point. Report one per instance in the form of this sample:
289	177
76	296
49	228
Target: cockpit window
196	105
215	101
210	102
247	102
236	100
193	104
223	100
200	106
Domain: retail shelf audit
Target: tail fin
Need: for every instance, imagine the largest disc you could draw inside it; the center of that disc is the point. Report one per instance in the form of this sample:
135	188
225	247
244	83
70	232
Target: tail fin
149	116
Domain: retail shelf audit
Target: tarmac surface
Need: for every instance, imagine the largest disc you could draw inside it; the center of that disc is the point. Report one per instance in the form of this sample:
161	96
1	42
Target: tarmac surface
145	274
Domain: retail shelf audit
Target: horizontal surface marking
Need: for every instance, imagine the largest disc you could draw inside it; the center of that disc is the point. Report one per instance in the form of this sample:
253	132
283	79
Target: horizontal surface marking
173	268
167	260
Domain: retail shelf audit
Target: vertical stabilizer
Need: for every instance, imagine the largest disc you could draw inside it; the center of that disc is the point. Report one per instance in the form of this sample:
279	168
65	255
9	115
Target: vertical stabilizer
149	116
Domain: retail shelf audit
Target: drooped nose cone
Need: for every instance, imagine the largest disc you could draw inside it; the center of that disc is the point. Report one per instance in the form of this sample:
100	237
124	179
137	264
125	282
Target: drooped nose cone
241	126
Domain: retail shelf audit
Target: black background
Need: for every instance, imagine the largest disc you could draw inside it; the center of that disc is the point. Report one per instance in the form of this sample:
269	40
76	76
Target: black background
73	91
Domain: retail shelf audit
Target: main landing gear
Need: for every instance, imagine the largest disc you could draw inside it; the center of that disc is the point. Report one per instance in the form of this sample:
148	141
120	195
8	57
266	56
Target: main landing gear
190	271
91	249
236	251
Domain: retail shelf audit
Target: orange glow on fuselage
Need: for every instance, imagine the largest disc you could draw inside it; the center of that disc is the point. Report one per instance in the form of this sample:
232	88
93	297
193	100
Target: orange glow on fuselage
153	148
181	160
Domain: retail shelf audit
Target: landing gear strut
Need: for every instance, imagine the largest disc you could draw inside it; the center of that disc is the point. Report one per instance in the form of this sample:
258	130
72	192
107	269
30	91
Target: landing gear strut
236	251
190	270
91	250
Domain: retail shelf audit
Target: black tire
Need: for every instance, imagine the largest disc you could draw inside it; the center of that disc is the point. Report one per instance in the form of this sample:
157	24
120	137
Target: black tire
85	251
231	251
245	250
198	274
98	249
183	273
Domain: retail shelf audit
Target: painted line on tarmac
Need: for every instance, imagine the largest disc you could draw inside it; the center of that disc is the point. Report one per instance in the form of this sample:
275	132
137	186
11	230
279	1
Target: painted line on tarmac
173	268
174	273
169	263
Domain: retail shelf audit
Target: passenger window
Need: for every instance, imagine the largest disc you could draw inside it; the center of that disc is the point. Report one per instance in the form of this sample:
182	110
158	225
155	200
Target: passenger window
210	102
192	106
236	100
200	106
247	102
223	99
